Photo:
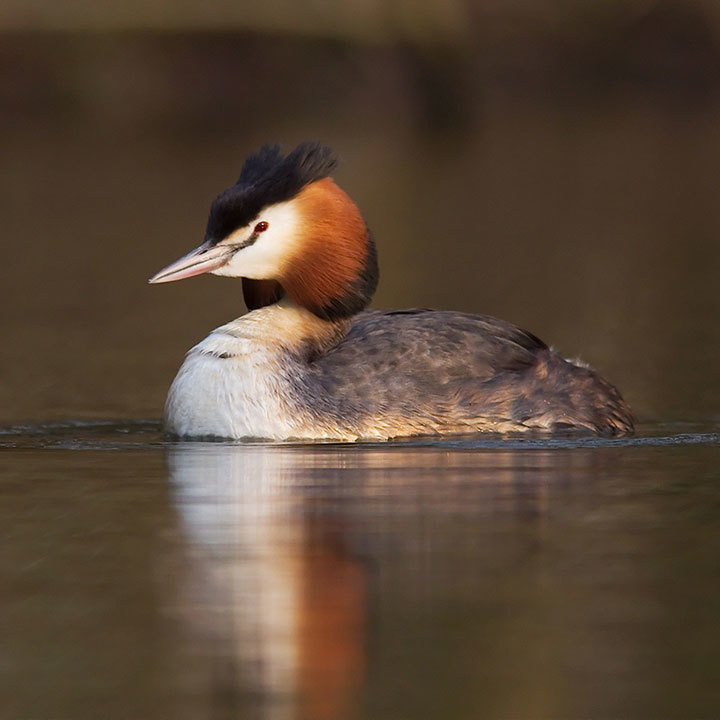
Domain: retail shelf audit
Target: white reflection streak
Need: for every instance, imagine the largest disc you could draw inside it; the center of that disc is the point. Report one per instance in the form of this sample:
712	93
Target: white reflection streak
279	605
240	526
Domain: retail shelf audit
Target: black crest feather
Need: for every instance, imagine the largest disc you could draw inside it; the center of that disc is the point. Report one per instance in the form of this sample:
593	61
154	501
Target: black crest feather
267	177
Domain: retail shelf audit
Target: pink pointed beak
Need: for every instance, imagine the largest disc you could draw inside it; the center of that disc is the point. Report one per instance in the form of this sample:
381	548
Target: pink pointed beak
202	259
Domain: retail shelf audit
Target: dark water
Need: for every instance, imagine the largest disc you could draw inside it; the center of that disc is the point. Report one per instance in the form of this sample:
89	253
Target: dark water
562	578
558	173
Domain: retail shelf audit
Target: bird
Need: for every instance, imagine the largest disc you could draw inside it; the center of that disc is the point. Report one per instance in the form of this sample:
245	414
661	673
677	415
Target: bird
310	361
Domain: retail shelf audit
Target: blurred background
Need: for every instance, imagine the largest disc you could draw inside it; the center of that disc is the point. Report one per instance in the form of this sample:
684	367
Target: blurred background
550	162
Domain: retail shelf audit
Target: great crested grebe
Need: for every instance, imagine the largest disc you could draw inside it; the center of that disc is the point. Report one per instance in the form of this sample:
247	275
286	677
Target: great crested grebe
309	361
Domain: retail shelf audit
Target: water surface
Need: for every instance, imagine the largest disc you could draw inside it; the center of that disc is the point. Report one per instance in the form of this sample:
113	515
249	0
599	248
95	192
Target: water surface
528	578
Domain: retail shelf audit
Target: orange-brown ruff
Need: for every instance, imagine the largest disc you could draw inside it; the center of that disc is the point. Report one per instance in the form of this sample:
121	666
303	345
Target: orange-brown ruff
308	361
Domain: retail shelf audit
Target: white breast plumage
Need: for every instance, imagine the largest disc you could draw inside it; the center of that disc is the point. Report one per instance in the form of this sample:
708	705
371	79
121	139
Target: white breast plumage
230	385
243	380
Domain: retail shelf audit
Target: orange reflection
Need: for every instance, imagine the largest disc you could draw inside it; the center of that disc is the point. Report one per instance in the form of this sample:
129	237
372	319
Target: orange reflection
274	591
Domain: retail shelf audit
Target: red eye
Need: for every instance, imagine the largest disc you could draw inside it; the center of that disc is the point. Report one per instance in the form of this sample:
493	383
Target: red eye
262	226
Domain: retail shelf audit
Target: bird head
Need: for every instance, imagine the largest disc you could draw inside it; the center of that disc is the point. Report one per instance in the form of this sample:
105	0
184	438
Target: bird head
286	227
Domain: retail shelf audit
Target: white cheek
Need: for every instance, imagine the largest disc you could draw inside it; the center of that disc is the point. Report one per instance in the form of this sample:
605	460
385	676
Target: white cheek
264	258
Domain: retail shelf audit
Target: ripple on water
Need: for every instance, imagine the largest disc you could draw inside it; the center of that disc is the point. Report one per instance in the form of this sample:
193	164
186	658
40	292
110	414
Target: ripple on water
145	434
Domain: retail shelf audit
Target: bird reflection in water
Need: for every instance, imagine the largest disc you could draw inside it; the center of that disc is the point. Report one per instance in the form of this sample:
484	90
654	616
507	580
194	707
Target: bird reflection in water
281	540
274	593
